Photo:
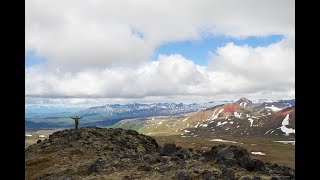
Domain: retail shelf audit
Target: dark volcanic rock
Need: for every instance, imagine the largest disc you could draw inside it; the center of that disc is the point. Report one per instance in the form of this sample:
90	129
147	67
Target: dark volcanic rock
281	171
227	174
256	178
182	153
164	168
144	168
248	178
245	178
259	166
182	176
247	163
168	149
234	156
206	174
280	178
174	158
181	163
97	166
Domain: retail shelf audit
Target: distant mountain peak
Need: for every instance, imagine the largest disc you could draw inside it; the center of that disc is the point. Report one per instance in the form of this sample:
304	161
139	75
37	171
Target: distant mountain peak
242	100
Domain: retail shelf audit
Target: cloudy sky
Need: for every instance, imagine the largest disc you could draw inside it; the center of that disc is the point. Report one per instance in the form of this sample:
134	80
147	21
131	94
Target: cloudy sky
124	51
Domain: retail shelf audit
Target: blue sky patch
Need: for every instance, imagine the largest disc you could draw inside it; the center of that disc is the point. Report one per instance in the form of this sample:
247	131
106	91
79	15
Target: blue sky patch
32	58
197	50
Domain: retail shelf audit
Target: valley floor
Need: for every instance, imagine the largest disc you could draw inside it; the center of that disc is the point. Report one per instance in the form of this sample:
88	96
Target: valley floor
36	135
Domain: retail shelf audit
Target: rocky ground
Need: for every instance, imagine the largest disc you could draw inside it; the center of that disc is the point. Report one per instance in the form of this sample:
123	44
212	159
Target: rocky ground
103	153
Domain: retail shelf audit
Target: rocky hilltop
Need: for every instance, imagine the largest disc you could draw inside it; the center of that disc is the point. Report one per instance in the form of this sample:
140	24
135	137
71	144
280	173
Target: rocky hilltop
106	153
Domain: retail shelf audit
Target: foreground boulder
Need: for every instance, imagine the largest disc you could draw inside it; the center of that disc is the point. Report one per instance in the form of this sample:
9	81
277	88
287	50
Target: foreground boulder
97	153
168	149
234	156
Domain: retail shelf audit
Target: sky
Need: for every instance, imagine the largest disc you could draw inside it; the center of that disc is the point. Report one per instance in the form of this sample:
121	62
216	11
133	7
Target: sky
81	52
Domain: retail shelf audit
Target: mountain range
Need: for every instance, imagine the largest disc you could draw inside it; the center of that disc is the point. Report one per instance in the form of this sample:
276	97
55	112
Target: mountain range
240	118
53	117
110	114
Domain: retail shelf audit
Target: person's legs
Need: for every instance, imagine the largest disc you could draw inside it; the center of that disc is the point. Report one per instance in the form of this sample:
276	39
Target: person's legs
77	124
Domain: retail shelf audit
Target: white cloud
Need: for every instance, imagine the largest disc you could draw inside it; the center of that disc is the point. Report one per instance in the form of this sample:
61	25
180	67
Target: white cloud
100	50
235	70
80	34
264	66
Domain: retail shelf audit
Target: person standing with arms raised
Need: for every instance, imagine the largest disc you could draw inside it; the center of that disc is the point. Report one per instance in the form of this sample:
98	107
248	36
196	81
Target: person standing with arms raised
76	121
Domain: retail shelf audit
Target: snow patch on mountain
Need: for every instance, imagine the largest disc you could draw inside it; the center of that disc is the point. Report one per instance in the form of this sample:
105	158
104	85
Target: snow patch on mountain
284	129
274	108
258	153
221	140
286	142
214	115
185	119
243	104
204	125
251	121
236	114
268	131
221	124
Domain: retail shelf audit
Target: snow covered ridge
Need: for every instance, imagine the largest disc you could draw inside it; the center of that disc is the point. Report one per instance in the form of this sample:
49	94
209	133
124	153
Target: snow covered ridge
214	115
290	102
262	101
155	106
